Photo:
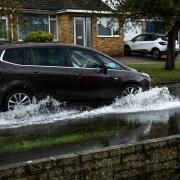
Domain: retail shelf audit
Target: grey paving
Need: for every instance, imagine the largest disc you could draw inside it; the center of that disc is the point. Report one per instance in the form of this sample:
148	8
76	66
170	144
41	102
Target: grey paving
141	59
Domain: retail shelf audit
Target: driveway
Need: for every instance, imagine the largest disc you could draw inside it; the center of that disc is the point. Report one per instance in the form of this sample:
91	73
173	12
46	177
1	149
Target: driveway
141	59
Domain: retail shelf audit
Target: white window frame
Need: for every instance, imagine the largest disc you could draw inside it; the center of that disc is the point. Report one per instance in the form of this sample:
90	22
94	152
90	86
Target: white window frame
54	19
81	18
5	18
112	35
49	19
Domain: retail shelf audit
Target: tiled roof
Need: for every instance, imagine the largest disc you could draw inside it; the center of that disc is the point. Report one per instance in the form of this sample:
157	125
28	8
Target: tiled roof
54	5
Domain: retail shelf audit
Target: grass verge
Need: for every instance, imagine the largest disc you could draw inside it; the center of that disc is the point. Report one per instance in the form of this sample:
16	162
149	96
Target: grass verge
158	73
10	143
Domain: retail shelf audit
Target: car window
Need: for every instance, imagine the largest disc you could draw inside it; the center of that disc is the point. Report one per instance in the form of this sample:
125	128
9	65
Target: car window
140	38
109	63
48	56
156	36
83	58
148	37
14	55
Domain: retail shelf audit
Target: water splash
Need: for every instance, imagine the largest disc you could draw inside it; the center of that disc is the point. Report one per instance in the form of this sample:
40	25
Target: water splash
49	111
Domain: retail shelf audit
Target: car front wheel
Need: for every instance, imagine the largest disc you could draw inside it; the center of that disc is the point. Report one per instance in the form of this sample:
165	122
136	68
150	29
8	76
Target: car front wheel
130	89
17	98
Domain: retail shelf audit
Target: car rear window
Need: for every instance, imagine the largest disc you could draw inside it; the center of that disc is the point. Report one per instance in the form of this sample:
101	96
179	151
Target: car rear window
165	38
45	56
14	56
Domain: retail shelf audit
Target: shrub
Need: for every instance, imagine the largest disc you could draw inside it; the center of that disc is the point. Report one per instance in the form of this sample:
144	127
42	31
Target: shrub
38	36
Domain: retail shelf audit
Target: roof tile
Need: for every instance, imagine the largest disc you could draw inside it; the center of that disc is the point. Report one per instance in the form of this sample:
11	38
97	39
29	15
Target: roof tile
54	5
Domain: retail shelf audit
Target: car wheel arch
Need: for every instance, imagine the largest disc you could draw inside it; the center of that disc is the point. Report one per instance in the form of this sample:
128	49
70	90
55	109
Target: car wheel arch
17	88
129	48
135	83
155	48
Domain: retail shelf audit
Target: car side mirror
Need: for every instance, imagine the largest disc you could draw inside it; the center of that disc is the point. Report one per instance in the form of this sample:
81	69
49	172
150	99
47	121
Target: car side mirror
133	40
104	69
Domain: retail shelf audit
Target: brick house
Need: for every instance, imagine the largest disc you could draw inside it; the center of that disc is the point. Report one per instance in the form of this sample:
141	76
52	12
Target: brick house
80	22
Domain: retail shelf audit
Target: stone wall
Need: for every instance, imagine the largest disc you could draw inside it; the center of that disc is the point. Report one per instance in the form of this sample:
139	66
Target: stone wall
152	159
113	46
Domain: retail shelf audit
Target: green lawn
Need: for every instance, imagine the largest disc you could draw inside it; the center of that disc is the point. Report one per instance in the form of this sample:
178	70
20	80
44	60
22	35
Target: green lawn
82	132
157	72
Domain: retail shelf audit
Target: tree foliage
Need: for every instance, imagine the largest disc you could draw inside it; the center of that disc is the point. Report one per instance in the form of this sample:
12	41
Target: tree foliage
154	10
39	36
11	9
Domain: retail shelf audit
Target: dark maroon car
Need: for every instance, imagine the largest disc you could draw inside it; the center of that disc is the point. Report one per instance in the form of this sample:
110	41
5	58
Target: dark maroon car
66	72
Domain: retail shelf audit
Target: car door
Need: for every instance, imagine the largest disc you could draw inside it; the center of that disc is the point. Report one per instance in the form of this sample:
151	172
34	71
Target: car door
46	67
12	70
138	43
149	41
90	82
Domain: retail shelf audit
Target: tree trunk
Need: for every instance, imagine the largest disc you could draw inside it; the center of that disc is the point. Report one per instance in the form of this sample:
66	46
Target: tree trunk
170	60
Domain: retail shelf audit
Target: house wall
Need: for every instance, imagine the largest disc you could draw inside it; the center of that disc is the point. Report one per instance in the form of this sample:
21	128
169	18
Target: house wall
157	159
131	30
65	28
113	46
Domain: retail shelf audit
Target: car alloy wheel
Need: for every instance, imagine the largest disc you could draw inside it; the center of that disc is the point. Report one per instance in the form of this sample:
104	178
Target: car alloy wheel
130	89
18	98
156	54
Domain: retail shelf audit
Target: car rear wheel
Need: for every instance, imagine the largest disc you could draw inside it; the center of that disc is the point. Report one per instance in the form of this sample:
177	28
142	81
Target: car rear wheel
17	98
130	89
156	54
127	51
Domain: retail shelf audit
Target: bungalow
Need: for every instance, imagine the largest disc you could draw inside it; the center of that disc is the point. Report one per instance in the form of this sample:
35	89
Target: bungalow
81	22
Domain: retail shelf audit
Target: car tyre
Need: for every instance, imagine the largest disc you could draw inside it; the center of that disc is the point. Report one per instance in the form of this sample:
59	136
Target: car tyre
176	54
127	51
156	54
18	97
130	89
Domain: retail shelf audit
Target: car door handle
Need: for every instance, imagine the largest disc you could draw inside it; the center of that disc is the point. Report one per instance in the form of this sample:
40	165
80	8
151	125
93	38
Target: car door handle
79	75
36	73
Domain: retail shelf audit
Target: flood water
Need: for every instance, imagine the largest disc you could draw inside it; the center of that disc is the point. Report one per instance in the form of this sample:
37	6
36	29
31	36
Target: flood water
147	115
156	109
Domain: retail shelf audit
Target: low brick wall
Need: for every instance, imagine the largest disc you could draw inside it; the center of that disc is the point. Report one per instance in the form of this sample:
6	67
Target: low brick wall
152	159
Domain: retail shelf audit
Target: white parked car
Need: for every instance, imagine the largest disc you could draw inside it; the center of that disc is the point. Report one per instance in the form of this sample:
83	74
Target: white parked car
154	44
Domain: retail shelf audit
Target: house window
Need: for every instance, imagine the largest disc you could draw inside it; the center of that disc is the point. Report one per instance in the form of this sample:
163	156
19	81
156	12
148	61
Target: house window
107	27
3	28
155	27
35	22
53	26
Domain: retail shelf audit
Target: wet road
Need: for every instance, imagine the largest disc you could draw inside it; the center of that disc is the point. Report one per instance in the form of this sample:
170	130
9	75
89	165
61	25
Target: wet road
152	114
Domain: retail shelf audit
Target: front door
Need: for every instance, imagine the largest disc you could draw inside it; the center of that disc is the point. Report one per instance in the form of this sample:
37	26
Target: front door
82	31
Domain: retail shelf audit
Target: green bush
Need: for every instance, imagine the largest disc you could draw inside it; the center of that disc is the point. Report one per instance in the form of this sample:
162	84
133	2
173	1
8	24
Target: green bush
38	36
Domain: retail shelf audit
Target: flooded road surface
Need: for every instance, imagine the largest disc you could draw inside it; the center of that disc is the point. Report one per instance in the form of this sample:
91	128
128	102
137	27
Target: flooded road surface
147	115
156	100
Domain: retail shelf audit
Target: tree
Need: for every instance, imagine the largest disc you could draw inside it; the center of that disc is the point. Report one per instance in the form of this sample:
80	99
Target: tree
156	10
11	9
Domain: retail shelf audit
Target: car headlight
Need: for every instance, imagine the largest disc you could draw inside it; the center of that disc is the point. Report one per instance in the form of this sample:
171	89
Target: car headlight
146	76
